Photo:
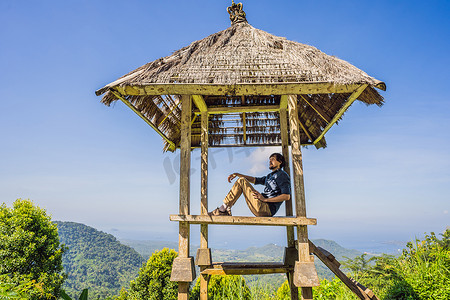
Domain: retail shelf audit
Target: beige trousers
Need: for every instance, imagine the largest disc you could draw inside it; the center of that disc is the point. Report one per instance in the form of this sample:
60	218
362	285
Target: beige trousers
242	186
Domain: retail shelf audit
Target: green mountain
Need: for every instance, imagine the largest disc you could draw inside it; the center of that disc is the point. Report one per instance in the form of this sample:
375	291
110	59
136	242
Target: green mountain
96	260
146	248
268	253
99	262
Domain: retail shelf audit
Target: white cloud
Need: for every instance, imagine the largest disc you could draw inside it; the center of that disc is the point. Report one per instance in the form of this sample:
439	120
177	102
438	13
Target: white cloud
259	159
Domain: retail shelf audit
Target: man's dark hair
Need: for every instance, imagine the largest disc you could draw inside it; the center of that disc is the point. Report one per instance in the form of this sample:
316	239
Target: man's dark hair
279	158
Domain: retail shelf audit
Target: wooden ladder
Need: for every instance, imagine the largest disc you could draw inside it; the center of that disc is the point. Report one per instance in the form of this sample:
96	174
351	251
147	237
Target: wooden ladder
330	261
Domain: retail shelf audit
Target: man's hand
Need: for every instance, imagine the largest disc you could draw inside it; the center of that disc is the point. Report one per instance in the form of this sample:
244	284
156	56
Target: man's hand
231	177
258	196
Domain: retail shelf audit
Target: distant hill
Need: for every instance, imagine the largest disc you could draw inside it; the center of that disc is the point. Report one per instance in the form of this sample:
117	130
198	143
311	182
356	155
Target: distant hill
99	262
146	248
269	253
96	260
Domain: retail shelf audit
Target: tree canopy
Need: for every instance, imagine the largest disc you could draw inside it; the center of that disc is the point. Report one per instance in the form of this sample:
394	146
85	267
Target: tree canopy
30	251
153	281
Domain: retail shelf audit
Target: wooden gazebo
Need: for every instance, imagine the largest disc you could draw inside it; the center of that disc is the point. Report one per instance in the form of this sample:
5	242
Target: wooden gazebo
243	87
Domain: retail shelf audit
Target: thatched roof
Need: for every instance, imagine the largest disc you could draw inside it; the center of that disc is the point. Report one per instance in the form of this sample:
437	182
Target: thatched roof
238	57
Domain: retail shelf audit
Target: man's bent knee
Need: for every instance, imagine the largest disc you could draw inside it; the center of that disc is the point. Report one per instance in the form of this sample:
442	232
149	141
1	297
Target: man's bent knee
242	180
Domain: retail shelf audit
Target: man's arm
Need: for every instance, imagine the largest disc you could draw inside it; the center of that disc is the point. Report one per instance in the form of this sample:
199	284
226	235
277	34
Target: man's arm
249	178
279	198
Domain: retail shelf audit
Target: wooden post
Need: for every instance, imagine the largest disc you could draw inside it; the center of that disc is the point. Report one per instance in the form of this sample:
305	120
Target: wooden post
204	177
205	253
289	229
285	152
183	269
304	265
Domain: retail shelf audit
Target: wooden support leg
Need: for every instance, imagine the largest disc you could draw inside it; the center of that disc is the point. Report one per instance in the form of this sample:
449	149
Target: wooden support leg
292	287
183	269
204	286
183	290
307	293
204	253
305	274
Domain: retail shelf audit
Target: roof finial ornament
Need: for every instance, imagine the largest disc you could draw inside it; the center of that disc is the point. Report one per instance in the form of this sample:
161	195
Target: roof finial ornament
237	15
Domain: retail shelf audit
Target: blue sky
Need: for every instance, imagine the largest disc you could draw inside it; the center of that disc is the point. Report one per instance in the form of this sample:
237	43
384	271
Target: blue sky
383	178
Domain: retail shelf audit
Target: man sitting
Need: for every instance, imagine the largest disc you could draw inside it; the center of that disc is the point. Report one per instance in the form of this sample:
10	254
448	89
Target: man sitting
277	189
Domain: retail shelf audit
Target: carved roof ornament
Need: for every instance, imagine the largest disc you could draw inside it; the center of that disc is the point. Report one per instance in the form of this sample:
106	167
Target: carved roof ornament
237	15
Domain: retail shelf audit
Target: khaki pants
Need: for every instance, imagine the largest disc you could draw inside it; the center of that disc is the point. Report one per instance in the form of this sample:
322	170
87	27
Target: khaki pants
242	186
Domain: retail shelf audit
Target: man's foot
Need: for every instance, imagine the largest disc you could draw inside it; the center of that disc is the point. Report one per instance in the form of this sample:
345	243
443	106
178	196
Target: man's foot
218	212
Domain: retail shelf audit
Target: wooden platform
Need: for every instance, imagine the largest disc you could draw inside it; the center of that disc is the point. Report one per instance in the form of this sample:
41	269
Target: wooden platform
246	268
237	220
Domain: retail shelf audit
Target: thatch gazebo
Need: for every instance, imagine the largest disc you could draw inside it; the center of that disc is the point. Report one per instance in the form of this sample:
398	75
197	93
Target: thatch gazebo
250	89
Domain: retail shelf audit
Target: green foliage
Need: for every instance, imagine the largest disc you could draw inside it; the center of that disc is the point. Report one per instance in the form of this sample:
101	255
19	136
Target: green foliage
14	291
359	264
96	260
421	272
30	251
224	287
425	267
153	281
284	292
333	290
328	290
83	296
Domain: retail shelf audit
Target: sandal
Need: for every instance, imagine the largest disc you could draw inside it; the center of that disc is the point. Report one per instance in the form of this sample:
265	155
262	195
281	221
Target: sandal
218	212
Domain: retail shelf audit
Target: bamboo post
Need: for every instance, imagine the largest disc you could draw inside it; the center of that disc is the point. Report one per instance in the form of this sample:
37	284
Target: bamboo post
290	250
304	271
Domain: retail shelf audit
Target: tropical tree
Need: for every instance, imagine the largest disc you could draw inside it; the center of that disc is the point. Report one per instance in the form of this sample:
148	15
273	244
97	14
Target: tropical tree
30	252
153	281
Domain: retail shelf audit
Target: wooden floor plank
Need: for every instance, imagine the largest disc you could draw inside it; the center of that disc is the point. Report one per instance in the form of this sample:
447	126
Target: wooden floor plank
238	220
245	268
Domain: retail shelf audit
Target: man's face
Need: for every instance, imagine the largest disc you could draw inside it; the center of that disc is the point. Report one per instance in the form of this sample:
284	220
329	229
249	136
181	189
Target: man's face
274	164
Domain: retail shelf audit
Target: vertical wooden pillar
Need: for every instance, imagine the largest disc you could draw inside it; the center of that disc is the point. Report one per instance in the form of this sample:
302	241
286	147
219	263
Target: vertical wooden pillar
287	168
290	255
305	274
204	178
183	269
204	253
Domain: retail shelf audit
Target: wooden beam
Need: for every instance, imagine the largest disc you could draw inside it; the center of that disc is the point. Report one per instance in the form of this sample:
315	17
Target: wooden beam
283	102
185	166
248	145
127	103
235	220
288	204
243	268
200	102
317	110
241	109
166	116
231	90
343	109
305	130
185	154
287	168
204	178
300	205
299	188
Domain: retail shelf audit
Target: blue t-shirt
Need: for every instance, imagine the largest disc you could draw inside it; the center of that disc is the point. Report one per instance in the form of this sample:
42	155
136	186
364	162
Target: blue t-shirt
276	183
